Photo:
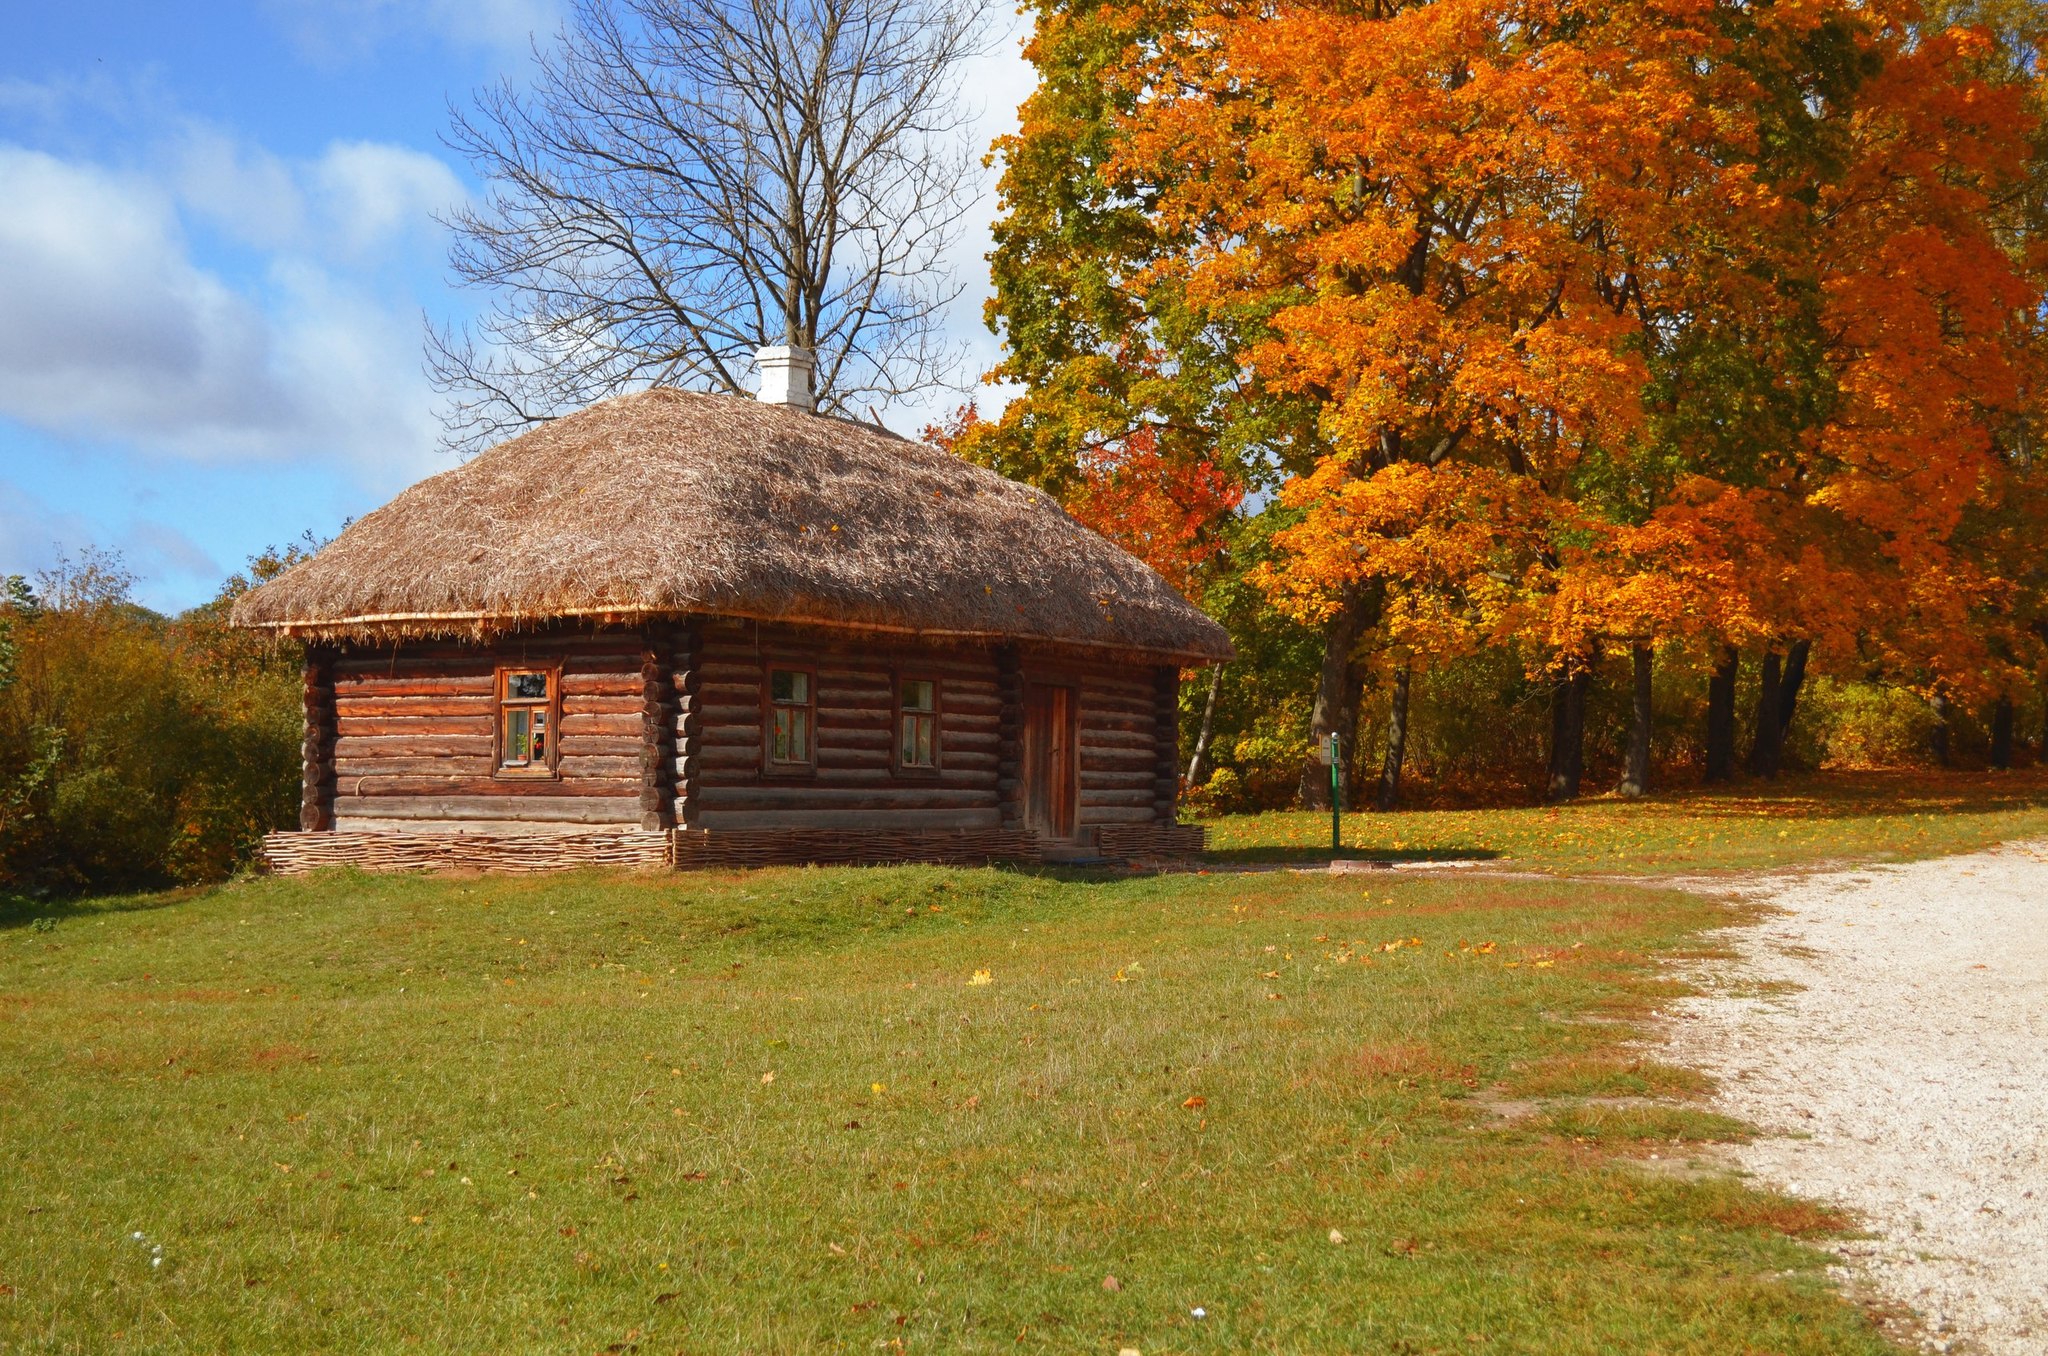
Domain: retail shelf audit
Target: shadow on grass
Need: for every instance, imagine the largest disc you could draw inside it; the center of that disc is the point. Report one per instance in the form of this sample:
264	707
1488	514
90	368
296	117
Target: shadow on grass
1293	854
45	914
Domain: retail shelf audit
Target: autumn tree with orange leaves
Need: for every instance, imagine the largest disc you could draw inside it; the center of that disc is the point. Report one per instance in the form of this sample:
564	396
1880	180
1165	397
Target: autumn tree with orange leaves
1681	327
1493	238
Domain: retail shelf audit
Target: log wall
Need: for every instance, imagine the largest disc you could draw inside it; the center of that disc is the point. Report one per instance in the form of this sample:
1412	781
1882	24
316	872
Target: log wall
316	748
1120	733
663	728
853	784
415	729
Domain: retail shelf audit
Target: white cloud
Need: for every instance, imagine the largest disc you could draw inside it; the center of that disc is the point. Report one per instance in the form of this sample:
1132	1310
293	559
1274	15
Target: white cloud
356	198
110	329
337	32
372	192
246	192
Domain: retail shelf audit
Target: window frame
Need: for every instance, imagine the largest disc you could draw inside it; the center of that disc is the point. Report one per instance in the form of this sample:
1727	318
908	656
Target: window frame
770	765
897	713
549	768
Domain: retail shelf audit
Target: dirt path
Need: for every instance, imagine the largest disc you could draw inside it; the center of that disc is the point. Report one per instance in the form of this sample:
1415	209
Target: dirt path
1907	1075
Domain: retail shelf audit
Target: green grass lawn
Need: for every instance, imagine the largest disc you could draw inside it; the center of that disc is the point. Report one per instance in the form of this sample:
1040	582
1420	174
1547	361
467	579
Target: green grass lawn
843	1110
1799	821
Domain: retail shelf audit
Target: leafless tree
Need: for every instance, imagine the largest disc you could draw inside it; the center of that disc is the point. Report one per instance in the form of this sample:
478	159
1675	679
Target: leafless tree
687	180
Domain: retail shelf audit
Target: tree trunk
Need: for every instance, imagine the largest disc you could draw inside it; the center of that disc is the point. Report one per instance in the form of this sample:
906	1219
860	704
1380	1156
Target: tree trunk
1568	734
1721	716
1635	779
1938	739
1350	773
1789	685
1359	614
1198	763
1397	742
2001	734
1768	740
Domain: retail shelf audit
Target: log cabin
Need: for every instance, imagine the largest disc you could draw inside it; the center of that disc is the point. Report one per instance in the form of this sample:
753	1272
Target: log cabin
679	629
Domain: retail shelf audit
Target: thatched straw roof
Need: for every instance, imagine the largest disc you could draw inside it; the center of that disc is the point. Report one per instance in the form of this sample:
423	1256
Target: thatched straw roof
667	503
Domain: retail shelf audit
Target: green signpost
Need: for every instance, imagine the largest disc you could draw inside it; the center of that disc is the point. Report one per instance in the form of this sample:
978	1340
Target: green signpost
1333	754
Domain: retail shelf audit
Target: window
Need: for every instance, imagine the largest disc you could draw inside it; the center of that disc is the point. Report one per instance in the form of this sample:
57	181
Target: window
526	722
791	700
917	725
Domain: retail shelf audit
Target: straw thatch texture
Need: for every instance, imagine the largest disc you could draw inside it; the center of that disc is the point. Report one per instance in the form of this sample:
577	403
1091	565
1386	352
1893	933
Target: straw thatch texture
667	503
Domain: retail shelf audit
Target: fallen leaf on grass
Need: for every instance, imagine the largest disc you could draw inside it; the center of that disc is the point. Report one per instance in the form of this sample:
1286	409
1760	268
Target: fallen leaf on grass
768	1077
1195	1103
667	1296
1111	1284
1336	1237
981	977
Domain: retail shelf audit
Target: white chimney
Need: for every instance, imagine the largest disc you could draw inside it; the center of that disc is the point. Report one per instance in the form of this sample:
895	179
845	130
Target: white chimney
786	375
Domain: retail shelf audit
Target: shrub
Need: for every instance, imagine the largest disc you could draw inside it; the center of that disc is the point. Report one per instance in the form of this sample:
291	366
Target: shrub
139	750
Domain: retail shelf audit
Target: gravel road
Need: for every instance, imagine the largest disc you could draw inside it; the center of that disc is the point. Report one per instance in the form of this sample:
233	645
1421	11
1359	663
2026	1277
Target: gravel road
1904	1078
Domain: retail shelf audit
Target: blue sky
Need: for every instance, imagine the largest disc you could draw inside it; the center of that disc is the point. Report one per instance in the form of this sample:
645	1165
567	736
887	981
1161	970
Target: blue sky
218	254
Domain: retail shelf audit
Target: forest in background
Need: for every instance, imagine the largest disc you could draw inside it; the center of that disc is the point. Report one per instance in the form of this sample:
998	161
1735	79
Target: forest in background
1550	398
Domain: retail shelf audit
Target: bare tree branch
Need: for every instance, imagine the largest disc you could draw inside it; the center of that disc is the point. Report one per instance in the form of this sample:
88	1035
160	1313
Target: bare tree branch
688	180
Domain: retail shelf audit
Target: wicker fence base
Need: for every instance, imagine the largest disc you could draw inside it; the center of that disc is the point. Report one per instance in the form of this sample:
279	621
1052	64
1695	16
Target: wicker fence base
291	854
698	848
1139	842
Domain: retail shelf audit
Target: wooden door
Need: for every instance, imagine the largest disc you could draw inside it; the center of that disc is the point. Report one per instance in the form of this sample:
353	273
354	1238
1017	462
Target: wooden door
1050	786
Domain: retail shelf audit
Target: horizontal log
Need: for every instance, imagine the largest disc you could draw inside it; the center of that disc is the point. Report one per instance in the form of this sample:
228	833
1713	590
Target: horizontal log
602	746
1116	739
849	819
413	746
466	665
372	686
728	756
1099	814
1097	797
1145	728
348	767
882	778
1098	780
622	725
575	685
358	708
808	796
633	705
539	809
605	661
1106	705
871	737
578	767
348	727
854	717
731	713
463	784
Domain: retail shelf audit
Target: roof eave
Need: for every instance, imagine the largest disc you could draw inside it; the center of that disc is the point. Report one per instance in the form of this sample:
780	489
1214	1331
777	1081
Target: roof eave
426	623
